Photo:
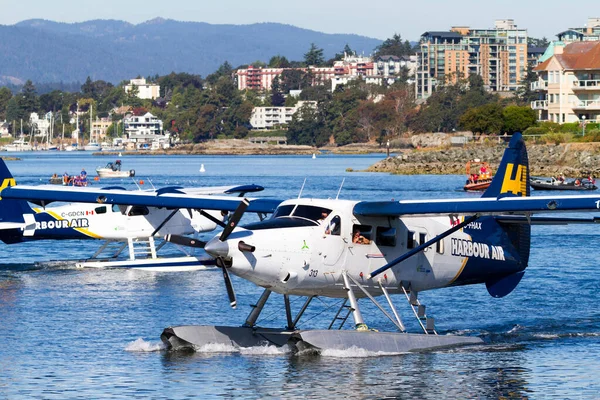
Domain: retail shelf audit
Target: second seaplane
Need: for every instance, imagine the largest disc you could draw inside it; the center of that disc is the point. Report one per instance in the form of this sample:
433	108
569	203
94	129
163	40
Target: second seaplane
132	234
353	250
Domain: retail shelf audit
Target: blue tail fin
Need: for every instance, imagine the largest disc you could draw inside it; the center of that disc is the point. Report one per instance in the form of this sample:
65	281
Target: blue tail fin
11	211
512	177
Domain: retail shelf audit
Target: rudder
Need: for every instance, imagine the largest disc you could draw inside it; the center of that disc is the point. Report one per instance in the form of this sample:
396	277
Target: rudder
11	211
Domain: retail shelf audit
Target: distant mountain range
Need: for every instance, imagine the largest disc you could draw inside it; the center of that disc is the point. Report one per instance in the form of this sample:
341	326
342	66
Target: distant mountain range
47	51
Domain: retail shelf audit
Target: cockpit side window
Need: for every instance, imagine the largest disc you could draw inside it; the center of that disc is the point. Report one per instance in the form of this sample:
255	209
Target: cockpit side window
334	227
283	211
100	210
138	210
310	212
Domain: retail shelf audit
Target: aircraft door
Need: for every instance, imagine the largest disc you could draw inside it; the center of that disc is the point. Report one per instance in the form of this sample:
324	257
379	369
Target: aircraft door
333	243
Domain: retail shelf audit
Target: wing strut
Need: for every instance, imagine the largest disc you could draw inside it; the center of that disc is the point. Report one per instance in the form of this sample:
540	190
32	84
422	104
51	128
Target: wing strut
210	217
418	249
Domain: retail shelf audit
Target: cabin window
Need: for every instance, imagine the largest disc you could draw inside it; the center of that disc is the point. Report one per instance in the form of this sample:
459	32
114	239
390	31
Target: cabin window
138	210
100	210
422	238
410	240
439	246
385	236
361	234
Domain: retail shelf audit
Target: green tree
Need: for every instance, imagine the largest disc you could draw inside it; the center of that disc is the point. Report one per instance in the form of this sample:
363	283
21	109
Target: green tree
517	118
5	96
277	99
484	119
294	79
14	112
394	46
543	42
524	94
279	61
307	127
314	56
319	93
225	70
29	101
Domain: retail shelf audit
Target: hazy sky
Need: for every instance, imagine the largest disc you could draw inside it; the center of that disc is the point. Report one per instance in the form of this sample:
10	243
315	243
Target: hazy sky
379	18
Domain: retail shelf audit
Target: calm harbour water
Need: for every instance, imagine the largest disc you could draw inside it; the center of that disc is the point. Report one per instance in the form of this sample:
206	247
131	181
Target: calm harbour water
83	333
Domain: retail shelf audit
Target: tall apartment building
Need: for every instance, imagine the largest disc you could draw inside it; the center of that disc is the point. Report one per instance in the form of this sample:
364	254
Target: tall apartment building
590	32
569	84
499	55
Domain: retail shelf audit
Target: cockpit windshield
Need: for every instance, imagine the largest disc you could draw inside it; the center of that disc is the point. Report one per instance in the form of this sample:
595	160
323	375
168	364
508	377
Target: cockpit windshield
312	213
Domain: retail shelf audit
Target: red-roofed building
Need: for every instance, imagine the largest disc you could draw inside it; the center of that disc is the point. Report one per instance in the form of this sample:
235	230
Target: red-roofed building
569	84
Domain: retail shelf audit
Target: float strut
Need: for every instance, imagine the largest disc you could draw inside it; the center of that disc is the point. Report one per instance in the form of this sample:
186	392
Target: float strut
358	319
256	310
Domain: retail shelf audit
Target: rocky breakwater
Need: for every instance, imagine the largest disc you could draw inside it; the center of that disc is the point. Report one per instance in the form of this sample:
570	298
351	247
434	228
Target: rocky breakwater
571	159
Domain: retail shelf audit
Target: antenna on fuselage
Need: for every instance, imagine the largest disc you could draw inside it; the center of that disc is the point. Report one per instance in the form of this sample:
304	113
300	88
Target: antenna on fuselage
302	188
341	186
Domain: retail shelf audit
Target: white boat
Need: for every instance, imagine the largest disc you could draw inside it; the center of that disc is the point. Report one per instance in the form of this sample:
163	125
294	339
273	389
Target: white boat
18	145
113	170
92	146
72	147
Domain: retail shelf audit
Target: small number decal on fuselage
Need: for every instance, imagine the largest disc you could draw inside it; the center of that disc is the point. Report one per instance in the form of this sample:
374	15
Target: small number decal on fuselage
313	273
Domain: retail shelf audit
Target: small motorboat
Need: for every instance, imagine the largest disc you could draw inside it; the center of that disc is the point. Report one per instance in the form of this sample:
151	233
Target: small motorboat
479	175
56	180
563	184
113	170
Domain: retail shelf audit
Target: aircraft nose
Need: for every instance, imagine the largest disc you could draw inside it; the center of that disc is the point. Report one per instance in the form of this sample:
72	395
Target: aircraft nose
217	248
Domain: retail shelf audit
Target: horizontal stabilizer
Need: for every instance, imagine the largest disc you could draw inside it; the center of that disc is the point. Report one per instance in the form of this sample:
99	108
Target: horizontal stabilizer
12	225
518	219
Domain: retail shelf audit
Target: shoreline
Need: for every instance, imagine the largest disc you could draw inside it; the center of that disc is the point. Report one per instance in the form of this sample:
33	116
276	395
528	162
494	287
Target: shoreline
571	159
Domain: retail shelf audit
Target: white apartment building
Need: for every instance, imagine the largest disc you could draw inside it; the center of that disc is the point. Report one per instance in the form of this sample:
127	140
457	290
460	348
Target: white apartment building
143	129
39	126
145	90
268	117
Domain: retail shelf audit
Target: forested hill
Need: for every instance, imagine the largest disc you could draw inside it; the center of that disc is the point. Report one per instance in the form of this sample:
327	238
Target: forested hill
46	51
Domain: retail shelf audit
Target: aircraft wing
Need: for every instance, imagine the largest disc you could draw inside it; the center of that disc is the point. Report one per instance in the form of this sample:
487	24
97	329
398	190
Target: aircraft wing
241	190
170	197
481	206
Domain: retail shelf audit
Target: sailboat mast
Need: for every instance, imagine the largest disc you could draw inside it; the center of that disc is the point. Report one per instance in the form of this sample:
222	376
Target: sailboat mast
77	122
91	111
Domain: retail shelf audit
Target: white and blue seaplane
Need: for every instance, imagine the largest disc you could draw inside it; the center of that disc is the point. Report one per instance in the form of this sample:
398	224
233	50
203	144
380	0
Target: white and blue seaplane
132	235
355	250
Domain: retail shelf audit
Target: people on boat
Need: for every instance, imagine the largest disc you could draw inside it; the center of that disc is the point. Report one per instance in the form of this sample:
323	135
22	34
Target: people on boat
577	182
561	179
483	172
66	178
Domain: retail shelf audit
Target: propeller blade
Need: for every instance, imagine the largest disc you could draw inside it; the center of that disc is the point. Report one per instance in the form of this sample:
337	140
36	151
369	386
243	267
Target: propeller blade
234	220
185	241
228	285
245	247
